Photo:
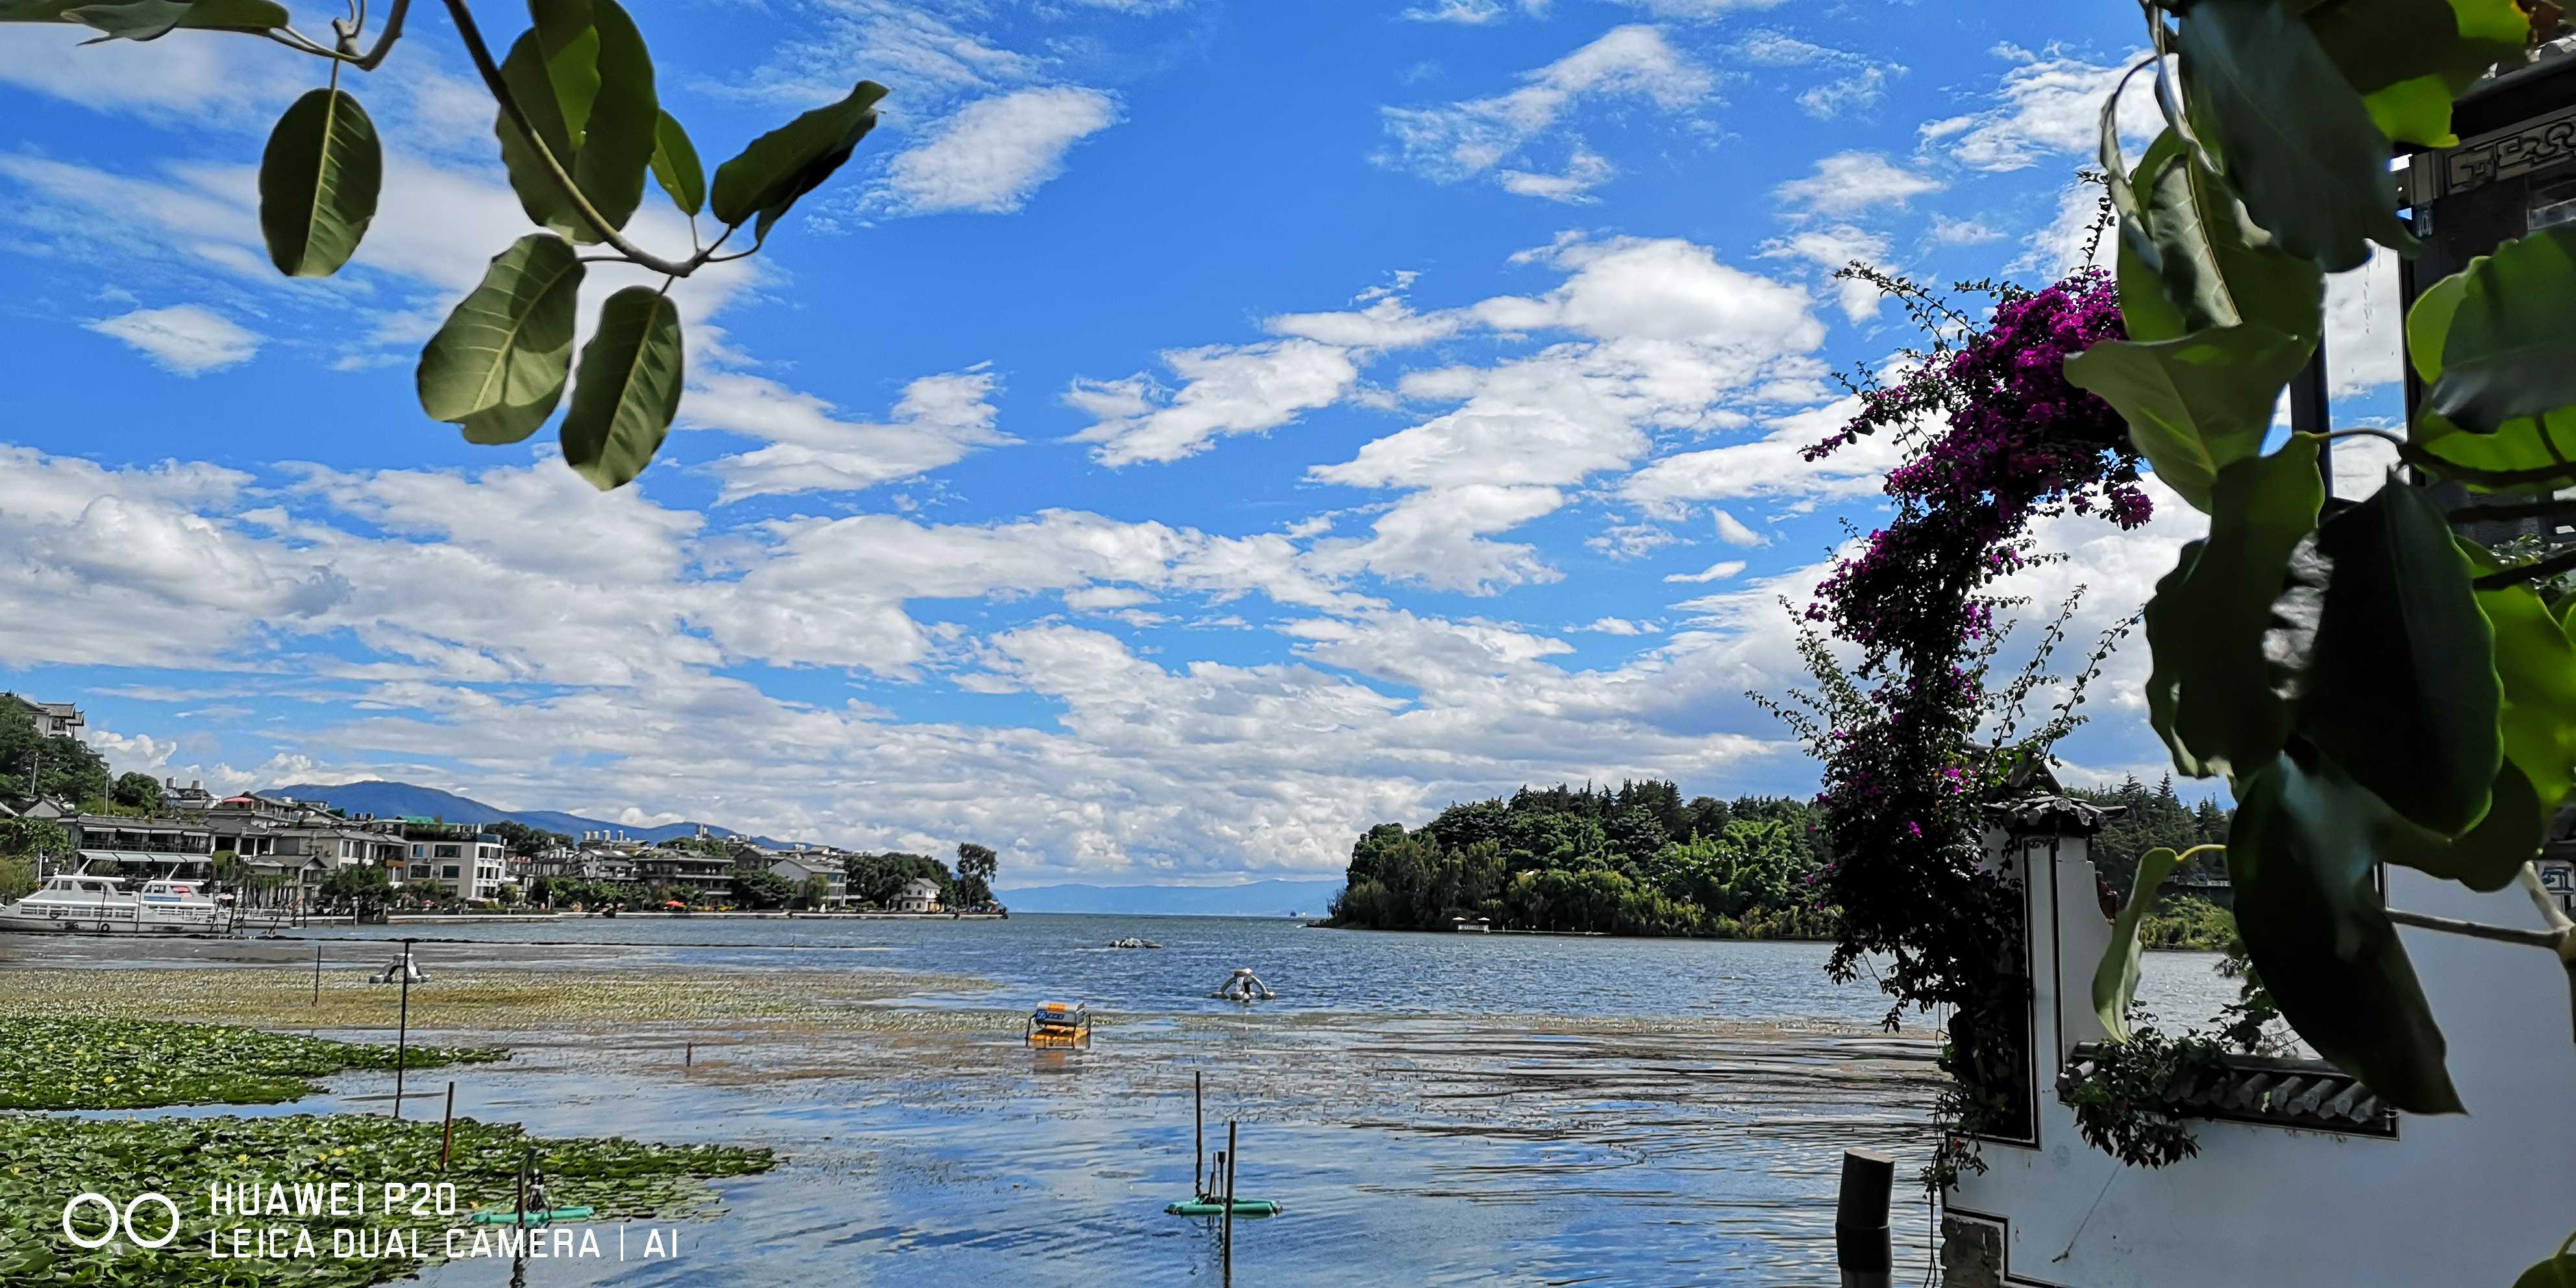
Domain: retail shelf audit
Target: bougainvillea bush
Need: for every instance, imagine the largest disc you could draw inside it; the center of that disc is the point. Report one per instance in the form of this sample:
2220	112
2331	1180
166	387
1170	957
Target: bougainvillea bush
1916	737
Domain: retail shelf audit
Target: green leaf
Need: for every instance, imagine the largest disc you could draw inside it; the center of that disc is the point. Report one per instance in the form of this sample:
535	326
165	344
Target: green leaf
149	19
2387	662
676	168
2557	1272
616	136
2196	404
2211	695
792	160
499	364
2508	342
2210	263
628	388
2115	980
2408	58
524	71
2299	855
318	181
585	80
2296	141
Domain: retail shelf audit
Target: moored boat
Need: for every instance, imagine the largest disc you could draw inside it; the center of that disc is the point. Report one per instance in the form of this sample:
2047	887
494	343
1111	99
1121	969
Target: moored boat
81	901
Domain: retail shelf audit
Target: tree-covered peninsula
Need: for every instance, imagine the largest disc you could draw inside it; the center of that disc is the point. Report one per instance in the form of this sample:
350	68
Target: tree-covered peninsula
1638	860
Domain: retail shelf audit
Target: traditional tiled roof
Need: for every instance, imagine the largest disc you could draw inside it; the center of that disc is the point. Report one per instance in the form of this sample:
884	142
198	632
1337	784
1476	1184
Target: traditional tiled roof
2050	812
2262	1089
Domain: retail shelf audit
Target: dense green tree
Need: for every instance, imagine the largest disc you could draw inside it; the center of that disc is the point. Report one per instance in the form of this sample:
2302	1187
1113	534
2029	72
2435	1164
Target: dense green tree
363	888
2153	817
877	878
33	764
757	889
1635	860
136	791
976	865
525	841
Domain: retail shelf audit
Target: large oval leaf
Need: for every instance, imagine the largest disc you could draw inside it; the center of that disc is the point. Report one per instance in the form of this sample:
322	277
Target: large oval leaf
2299	855
2204	256
498	366
585	80
628	389
2295	139
617	135
676	168
2388	663
794	159
2211	695
145	19
2557	1272
318	181
2197	404
2408	58
2508	336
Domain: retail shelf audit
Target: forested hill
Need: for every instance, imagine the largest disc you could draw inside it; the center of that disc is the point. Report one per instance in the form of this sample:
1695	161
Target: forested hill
1638	860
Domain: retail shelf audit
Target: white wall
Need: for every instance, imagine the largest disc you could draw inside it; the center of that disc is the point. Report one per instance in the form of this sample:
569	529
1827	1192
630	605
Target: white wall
2467	1200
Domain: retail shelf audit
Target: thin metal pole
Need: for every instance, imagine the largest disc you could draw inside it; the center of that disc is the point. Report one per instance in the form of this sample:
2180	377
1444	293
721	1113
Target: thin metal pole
447	1128
317	974
1198	1134
402	1033
1228	1237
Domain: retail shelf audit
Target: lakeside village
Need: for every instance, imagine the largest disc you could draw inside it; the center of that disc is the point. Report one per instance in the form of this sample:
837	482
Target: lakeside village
1639	859
277	859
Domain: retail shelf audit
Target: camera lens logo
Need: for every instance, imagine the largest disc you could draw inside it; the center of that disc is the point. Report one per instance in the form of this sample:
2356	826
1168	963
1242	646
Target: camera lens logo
121	1219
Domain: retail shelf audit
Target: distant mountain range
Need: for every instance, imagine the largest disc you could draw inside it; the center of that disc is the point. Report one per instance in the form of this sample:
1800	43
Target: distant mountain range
402	800
1250	899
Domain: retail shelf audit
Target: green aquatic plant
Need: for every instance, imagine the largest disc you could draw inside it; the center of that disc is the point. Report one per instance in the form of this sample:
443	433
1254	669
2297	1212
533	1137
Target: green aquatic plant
85	1062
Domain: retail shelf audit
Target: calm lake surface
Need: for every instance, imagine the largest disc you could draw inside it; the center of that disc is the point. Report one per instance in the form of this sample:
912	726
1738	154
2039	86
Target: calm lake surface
1430	1109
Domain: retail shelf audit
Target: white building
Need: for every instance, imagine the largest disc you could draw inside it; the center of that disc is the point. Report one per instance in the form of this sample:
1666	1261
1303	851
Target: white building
920	894
54	719
472	865
803	867
2303	1177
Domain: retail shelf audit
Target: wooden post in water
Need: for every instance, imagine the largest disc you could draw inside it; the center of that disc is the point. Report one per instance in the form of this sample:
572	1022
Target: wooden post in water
1861	1249
447	1128
1198	1134
689	1056
317	975
1228	1237
402	1033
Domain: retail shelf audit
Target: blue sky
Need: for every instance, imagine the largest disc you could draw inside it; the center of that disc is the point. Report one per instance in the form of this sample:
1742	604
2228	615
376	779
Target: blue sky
1187	432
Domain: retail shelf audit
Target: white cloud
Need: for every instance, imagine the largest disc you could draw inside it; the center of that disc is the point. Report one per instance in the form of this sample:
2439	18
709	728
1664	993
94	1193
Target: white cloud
1472	13
189	339
994	153
1697	10
1224	390
1584	171
2045	106
1733	532
1615	626
1471	137
1832	249
939	421
1770	466
1962	232
201	77
1849	182
1718	571
1863	88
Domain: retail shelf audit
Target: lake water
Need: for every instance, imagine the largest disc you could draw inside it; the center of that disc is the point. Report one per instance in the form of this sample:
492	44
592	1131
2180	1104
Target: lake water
1430	1109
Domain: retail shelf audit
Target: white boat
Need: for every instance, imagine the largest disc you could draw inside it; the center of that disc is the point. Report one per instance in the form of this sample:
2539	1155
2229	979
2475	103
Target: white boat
80	901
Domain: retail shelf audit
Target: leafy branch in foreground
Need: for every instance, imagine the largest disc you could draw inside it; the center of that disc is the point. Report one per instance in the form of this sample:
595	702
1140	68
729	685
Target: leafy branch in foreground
580	127
2375	688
